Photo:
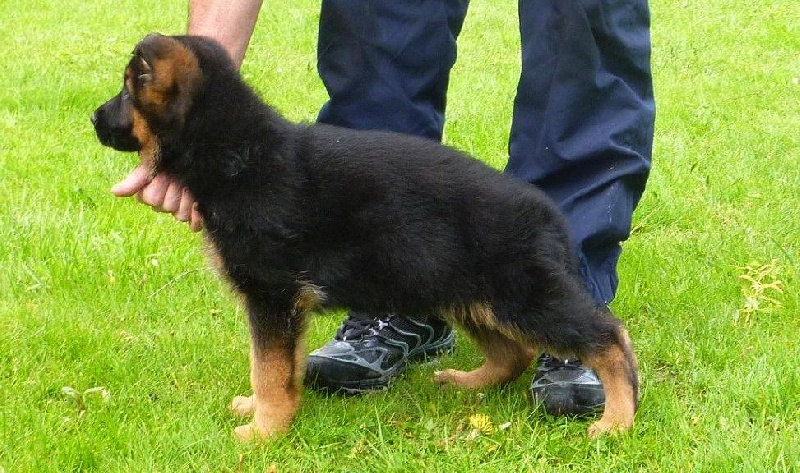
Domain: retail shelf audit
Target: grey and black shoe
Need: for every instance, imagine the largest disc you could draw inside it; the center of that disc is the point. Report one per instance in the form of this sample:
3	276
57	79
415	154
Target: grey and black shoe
369	352
566	387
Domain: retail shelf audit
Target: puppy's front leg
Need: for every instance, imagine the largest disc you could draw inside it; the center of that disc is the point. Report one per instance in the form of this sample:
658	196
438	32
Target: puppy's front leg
276	393
276	369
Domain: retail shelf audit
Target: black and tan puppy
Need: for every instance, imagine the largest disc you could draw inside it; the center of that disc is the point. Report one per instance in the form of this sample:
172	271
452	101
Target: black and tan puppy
308	216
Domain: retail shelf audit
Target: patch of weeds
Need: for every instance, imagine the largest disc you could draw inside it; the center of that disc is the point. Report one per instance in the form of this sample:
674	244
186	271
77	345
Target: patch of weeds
761	286
80	397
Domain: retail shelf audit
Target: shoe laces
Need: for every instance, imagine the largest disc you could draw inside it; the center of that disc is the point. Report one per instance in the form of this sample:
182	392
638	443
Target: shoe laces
548	362
357	325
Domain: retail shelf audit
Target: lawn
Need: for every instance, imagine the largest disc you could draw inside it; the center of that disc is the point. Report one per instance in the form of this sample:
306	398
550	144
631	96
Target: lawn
120	350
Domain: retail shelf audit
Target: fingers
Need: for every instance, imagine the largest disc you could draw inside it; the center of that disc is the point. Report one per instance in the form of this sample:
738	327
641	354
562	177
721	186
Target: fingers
196	223
154	193
133	182
162	193
184	212
172	199
187	211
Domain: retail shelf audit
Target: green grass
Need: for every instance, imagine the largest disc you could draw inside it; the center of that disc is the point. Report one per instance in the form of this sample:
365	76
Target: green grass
99	292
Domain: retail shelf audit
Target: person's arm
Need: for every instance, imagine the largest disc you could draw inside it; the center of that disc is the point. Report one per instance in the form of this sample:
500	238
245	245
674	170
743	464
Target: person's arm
231	22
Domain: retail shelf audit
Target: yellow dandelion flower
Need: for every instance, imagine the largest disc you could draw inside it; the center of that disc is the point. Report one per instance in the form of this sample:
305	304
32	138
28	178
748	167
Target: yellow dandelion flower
481	423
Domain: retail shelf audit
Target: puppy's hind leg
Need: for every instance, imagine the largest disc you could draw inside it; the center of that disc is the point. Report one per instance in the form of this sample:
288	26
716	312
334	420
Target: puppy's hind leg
615	365
601	342
505	357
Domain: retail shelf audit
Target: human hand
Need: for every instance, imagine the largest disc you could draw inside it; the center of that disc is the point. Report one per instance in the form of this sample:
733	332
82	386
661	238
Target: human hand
162	193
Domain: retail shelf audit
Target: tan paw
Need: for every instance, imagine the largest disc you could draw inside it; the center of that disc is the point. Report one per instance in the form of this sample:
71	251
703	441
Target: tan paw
252	433
464	379
245	433
454	377
242	406
605	426
257	431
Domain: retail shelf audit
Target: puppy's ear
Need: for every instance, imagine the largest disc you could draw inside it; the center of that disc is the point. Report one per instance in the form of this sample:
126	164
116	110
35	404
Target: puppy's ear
145	72
167	75
148	51
153	46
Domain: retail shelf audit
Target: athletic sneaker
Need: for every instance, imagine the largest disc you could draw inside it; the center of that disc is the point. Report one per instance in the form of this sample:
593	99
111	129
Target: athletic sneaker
566	387
370	352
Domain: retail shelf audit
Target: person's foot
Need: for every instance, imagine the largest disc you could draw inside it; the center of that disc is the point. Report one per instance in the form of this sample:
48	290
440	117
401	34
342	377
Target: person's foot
566	387
369	352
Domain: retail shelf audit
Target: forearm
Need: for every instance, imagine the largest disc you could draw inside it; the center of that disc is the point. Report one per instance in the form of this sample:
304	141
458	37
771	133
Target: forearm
231	22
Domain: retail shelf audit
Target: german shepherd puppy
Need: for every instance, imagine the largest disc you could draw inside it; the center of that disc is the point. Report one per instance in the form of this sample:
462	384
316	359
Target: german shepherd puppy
307	216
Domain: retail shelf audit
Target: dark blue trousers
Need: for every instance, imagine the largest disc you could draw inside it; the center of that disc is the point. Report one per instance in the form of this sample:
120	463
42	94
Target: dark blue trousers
582	128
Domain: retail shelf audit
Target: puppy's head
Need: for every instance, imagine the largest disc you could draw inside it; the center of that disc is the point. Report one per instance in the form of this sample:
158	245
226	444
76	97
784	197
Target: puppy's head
161	81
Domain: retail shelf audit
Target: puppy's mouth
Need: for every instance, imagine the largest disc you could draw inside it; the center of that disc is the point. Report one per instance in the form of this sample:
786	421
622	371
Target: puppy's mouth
119	142
119	138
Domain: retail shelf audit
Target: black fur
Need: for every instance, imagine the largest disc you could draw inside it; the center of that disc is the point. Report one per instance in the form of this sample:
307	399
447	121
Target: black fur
381	221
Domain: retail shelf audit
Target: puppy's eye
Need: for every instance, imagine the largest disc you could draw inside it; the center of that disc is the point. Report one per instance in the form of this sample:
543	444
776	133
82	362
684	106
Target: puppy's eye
144	78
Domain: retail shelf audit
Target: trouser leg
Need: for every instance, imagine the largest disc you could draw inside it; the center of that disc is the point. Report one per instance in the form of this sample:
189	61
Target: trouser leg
386	63
583	120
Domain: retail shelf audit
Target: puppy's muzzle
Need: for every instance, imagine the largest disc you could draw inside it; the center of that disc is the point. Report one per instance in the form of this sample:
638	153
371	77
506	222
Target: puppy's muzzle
114	126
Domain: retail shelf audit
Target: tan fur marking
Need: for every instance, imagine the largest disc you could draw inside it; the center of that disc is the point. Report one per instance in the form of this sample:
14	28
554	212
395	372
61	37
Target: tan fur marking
276	393
479	314
613	368
507	354
216	261
242	406
309	297
300	361
149	152
214	258
505	361
176	75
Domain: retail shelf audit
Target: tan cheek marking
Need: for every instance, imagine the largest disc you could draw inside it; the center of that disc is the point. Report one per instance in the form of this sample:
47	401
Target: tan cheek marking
167	96
149	152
